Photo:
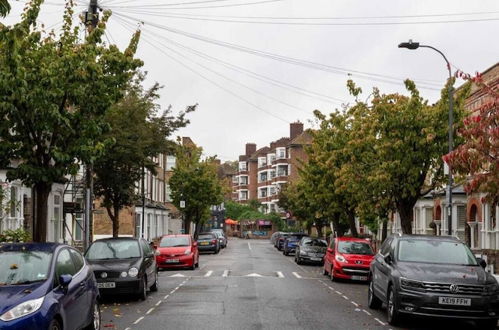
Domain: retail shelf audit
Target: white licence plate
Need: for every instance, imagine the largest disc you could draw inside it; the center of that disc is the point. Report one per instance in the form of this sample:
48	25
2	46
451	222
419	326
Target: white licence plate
106	285
456	301
172	261
316	259
359	278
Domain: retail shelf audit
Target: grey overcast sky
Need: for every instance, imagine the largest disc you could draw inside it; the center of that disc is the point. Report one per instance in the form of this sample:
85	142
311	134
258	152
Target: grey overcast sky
283	59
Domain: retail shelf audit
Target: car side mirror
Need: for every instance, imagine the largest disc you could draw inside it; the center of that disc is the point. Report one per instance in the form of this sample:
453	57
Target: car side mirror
330	250
388	259
481	262
64	281
195	244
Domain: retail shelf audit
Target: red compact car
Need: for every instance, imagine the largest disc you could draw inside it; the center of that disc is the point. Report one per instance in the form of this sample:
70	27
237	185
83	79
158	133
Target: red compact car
348	258
177	251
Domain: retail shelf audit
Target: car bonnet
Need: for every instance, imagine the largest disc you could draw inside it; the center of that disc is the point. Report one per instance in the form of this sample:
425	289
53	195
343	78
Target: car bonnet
13	295
442	273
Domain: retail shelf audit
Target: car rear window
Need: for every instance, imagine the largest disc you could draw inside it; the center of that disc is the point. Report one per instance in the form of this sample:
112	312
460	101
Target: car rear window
350	247
174	241
435	251
113	249
206	236
314	242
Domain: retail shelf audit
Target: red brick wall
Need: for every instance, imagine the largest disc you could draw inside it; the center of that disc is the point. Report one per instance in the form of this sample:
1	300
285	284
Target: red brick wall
253	179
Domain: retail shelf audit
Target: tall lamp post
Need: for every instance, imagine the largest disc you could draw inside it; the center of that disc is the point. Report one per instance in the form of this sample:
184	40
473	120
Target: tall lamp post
415	45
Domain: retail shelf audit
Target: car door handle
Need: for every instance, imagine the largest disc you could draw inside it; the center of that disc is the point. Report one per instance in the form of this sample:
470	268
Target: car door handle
82	283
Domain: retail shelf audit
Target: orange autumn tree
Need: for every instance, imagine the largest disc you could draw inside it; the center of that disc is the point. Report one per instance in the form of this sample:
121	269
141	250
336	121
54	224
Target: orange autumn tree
478	157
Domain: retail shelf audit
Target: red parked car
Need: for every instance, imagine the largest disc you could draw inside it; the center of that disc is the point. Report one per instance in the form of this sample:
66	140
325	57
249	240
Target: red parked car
348	258
177	251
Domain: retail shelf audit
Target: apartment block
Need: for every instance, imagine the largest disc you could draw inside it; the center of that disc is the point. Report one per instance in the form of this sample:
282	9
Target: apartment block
263	172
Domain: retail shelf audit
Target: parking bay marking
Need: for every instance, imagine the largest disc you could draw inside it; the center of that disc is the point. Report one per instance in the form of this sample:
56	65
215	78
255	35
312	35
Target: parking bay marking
208	274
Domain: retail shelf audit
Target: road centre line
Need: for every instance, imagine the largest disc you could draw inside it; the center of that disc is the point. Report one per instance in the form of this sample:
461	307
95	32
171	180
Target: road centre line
150	310
249	246
166	297
138	320
159	302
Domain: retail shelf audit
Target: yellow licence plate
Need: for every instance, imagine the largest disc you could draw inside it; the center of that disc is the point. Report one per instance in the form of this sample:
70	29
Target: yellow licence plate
205	243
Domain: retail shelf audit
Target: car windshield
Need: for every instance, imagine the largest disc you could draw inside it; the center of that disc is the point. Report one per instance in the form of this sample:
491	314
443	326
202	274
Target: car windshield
349	247
113	249
205	236
435	251
174	241
314	242
24	267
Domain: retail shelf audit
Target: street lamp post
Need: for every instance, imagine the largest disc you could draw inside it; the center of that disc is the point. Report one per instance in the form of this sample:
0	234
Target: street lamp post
415	45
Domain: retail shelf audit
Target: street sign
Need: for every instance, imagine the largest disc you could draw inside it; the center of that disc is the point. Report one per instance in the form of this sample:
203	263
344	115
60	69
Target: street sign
182	204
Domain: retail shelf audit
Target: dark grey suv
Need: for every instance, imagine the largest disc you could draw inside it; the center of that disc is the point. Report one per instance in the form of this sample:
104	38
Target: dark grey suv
432	276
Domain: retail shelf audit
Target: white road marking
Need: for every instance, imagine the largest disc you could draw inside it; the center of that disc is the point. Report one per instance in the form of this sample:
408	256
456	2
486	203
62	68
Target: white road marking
280	274
345	297
138	320
158	303
208	274
380	322
177	275
128	328
226	273
296	275
166	297
253	275
354	303
249	246
338	292
366	312
150	310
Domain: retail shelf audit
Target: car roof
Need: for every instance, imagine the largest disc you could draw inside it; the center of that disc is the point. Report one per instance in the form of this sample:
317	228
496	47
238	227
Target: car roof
352	239
47	247
427	237
116	239
176	235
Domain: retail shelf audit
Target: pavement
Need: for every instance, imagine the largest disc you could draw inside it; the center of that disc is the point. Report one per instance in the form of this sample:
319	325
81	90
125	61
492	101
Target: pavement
250	285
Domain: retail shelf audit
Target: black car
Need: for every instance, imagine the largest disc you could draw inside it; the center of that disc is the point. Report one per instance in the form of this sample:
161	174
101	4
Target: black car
208	242
432	276
123	265
310	250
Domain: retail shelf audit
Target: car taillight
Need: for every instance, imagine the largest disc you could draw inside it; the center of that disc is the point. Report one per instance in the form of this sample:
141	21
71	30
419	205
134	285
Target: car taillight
214	241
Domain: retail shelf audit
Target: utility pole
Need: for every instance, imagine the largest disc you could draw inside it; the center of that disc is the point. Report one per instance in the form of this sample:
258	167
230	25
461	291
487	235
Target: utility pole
91	21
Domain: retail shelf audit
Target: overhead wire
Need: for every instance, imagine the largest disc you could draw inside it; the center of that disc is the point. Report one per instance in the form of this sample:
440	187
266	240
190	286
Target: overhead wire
213	82
281	58
204	7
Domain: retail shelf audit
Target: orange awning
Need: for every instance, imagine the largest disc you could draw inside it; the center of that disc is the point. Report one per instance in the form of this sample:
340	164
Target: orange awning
231	222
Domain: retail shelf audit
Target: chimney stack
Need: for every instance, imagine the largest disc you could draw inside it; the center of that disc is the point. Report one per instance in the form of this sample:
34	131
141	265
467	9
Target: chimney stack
295	129
250	149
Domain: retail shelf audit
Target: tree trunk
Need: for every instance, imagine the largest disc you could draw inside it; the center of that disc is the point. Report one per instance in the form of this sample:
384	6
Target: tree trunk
337	226
351	223
42	191
115	220
187	225
384	230
319	230
405	212
196	231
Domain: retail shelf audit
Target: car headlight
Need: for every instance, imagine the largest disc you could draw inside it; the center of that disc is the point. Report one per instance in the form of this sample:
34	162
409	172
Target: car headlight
23	309
340	258
187	252
133	272
491	288
303	253
410	284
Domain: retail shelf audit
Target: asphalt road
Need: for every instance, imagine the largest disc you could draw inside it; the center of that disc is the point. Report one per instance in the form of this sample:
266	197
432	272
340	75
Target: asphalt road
251	285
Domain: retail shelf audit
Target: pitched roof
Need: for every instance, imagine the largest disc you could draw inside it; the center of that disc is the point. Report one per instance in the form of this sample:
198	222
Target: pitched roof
303	139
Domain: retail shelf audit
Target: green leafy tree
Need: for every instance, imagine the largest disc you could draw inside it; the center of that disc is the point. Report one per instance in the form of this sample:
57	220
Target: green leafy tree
54	92
195	182
4	8
139	131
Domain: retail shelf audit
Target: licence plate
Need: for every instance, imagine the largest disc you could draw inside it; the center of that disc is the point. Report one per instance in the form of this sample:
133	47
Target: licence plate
456	301
205	243
359	278
106	285
172	261
316	259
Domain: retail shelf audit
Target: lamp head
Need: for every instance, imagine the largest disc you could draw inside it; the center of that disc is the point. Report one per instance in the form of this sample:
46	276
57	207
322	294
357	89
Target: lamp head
409	45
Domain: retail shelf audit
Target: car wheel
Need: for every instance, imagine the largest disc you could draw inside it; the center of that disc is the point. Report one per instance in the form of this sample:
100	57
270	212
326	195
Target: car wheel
285	252
142	295
96	318
331	275
193	264
372	301
197	263
392	313
486	324
298	260
154	287
55	325
324	271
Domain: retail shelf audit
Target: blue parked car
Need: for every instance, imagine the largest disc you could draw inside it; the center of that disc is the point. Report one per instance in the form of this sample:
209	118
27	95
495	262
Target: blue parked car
46	286
290	243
